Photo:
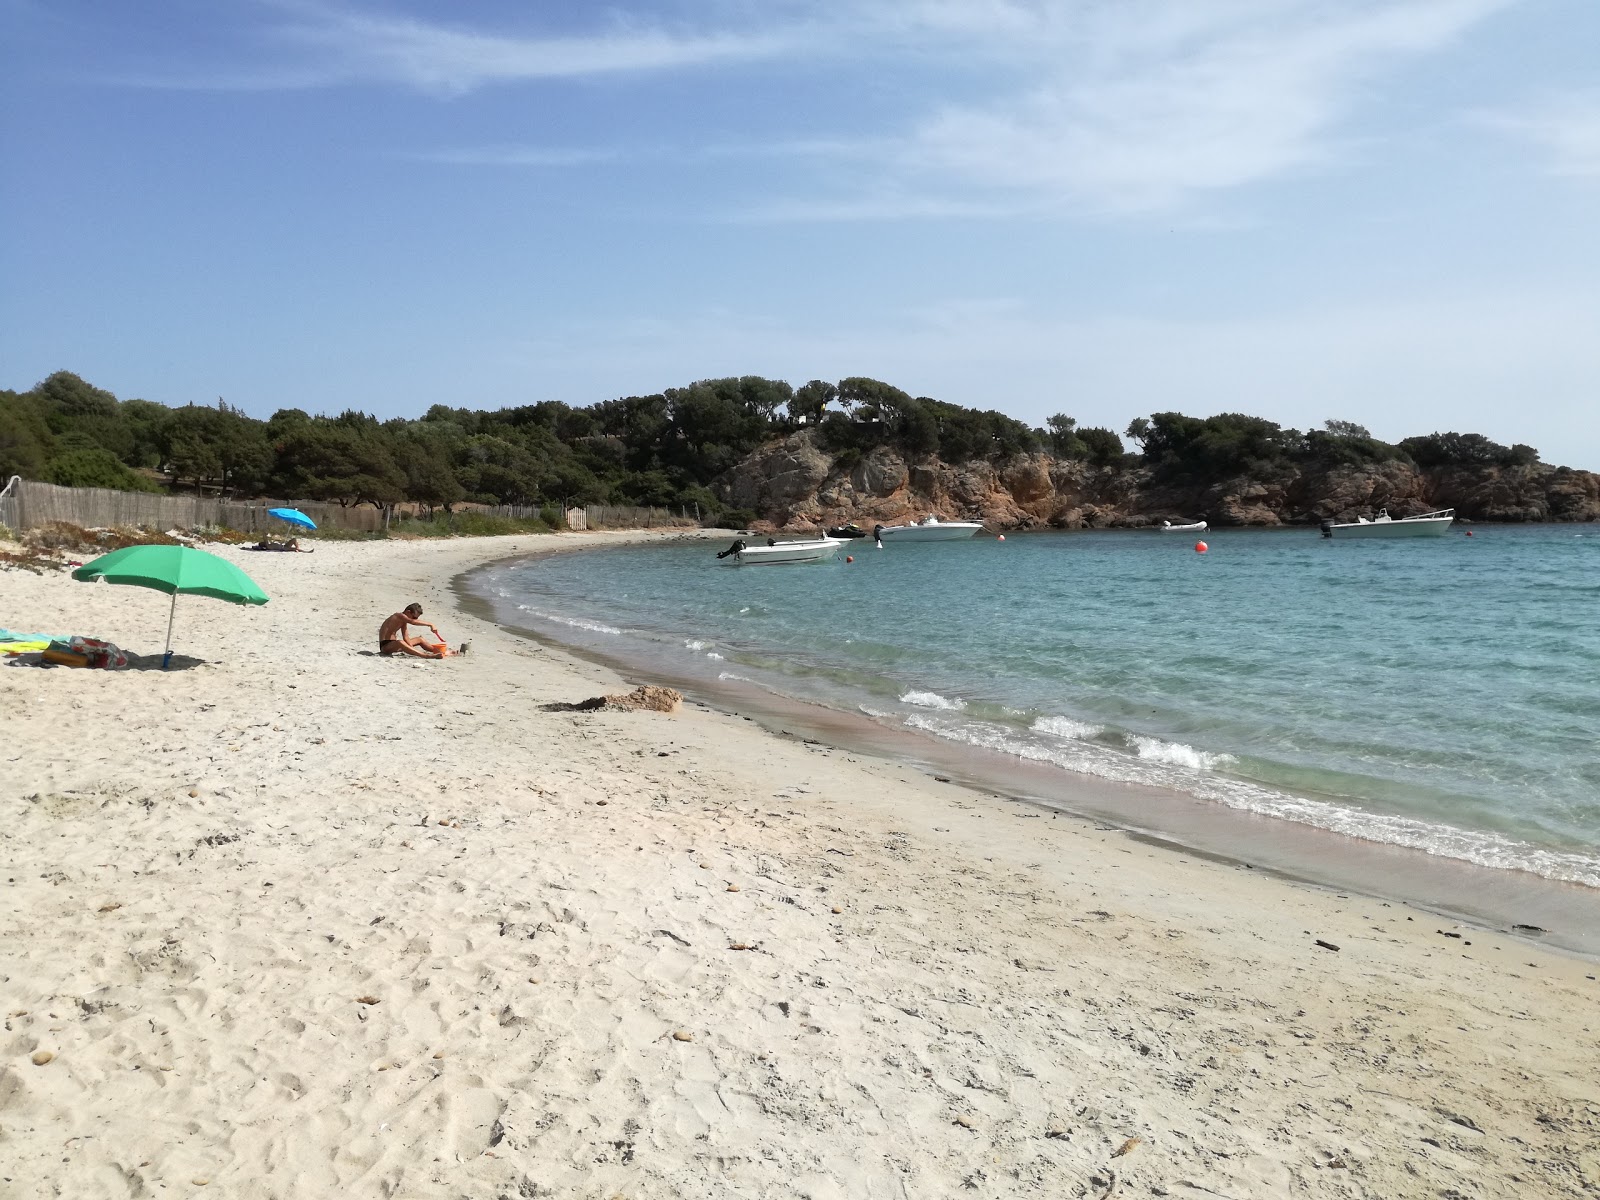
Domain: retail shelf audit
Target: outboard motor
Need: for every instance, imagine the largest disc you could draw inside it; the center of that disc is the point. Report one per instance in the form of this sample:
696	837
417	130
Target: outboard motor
736	548
1327	528
877	534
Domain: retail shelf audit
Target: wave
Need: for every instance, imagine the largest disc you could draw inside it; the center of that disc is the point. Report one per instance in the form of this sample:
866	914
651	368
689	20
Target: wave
573	622
1066	727
695	644
1178	755
933	700
736	678
712	654
1178	767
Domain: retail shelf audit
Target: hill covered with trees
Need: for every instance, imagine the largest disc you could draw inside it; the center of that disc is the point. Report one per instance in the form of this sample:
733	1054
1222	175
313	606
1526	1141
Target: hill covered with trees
749	447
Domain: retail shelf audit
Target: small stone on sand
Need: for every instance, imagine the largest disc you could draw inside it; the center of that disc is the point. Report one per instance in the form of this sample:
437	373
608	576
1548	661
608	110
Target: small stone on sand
678	1035
733	887
837	910
40	1057
366	999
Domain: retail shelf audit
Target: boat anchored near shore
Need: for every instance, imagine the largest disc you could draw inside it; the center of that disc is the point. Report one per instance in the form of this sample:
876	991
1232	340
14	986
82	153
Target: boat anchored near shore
1191	527
1432	524
929	529
741	554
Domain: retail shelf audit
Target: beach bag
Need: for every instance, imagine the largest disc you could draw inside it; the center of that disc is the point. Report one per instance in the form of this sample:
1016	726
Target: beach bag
101	655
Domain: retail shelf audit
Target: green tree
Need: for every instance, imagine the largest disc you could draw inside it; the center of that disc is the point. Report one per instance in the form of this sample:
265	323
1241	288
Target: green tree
220	446
26	442
811	400
95	467
1062	432
1104	448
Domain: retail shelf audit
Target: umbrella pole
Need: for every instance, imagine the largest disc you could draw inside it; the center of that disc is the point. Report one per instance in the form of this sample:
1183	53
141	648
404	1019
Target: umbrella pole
166	656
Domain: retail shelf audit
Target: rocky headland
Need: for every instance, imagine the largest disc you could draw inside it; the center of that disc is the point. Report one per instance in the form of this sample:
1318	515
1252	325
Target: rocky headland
794	482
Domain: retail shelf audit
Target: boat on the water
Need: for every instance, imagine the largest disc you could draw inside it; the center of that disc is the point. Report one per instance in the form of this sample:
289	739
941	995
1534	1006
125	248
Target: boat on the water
1191	527
742	554
845	532
1432	524
929	529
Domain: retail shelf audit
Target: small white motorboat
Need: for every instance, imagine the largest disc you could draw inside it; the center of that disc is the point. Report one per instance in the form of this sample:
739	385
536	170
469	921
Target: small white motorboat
929	529
1191	527
1433	524
742	554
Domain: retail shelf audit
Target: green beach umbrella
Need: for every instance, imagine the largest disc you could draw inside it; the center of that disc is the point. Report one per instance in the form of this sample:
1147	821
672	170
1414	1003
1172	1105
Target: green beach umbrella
176	570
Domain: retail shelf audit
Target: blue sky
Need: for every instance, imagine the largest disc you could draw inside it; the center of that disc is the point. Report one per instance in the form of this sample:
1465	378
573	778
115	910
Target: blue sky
1383	212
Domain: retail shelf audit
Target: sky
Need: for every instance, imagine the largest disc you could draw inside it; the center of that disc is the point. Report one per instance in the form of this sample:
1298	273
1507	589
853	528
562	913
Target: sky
1385	212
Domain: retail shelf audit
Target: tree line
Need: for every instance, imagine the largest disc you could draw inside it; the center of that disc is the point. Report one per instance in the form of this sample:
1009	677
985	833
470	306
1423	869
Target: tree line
665	449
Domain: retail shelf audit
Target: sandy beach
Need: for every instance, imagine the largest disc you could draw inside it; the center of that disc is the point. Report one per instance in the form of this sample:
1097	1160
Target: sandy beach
300	921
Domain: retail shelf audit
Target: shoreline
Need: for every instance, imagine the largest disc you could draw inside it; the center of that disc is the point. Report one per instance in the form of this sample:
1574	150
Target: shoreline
300	920
1562	915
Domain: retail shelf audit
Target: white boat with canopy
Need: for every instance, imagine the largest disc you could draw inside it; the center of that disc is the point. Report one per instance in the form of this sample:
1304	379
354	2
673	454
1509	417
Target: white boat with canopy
1432	524
742	554
929	529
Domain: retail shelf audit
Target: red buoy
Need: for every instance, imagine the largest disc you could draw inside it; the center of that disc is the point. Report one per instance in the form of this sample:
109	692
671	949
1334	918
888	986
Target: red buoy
1002	537
1200	547
849	558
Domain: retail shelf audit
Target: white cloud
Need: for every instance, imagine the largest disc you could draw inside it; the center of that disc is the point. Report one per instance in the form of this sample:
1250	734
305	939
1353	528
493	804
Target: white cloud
1084	105
1566	128
1151	102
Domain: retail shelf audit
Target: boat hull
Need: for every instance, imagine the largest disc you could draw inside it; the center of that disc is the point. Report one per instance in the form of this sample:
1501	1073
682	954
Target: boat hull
785	553
943	532
1429	527
1193	527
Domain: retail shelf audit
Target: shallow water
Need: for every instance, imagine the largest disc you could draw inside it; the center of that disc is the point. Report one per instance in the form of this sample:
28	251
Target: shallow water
1441	695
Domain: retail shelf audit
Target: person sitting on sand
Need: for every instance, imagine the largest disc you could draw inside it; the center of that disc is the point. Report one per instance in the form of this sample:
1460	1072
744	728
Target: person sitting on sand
293	544
392	637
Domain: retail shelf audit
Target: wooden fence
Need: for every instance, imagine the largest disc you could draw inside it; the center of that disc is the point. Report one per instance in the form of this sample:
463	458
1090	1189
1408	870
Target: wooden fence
597	516
25	504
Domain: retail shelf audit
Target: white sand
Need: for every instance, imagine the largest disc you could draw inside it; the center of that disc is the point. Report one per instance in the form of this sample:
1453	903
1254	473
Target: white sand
206	870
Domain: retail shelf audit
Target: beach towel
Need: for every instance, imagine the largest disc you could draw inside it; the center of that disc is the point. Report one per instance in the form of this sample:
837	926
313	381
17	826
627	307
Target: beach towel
12	642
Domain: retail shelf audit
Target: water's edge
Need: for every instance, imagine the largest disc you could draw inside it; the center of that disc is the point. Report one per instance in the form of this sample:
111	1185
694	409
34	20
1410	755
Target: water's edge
1489	898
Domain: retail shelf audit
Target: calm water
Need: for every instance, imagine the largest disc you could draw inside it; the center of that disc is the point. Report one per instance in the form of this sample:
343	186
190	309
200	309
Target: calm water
1443	695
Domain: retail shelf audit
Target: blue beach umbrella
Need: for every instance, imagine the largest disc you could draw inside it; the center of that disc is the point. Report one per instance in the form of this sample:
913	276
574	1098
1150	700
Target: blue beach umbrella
292	515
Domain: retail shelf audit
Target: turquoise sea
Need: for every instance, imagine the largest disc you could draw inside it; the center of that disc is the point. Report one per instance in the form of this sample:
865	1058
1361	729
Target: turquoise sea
1441	694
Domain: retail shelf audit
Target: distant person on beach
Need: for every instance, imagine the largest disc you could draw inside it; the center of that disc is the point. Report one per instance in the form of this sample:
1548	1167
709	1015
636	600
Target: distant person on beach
393	639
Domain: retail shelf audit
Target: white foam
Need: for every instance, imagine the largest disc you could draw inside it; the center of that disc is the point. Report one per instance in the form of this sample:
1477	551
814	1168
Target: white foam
933	700
1178	755
737	678
1066	727
873	712
696	644
714	655
575	622
1174	765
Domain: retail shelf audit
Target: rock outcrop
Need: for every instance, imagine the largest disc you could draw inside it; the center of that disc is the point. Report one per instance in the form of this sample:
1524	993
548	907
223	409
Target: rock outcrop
793	482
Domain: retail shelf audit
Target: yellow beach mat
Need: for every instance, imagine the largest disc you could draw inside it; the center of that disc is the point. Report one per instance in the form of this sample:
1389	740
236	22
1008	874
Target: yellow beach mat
12	642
